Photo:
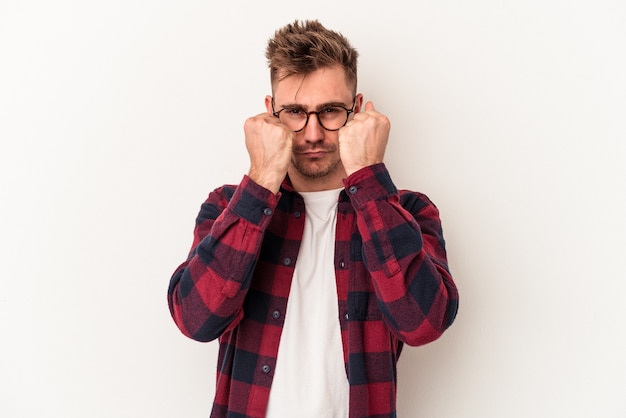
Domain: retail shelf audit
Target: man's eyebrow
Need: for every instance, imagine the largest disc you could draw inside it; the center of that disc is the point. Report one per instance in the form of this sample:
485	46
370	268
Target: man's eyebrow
318	107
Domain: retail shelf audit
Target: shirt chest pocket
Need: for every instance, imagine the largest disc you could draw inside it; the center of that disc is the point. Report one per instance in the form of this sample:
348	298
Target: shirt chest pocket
362	303
362	306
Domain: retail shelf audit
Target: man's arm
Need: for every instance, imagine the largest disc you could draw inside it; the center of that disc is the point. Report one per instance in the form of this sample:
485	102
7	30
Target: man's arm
404	250
207	291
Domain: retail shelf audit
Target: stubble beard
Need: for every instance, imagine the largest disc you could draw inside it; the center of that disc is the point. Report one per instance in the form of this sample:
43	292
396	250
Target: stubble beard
316	169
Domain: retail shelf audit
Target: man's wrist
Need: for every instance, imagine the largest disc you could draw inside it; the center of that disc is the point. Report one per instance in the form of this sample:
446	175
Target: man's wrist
271	183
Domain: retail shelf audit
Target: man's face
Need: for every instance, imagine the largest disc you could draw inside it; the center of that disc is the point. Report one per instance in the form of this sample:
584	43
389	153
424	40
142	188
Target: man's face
315	159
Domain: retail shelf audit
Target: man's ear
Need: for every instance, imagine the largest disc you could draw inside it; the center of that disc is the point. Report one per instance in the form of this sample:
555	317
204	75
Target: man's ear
358	103
268	104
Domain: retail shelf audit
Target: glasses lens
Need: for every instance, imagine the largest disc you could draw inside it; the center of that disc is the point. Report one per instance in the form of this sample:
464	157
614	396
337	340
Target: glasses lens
333	118
294	119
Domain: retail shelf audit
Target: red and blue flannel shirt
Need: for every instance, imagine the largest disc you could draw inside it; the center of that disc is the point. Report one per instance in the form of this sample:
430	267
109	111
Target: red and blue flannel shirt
393	285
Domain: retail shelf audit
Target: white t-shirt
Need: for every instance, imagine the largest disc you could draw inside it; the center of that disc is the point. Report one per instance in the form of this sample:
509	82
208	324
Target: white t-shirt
310	378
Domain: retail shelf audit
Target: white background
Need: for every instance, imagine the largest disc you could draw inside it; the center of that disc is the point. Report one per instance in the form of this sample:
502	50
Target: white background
117	118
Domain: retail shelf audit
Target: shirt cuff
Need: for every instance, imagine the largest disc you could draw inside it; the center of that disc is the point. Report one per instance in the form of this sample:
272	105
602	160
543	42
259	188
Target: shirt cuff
370	183
253	202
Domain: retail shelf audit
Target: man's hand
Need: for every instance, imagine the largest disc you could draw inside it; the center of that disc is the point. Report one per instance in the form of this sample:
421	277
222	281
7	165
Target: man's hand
363	140
269	146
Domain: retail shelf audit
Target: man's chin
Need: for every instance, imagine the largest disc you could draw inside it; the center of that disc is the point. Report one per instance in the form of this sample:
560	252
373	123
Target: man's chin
316	170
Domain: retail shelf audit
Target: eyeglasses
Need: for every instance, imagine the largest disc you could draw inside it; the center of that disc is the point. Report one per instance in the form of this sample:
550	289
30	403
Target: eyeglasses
331	118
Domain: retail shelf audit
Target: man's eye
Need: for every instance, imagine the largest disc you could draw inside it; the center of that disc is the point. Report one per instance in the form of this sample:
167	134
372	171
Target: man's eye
294	112
330	110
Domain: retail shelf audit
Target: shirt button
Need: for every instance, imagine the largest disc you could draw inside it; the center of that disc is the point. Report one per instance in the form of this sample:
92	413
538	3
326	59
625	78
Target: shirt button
347	316
353	189
276	314
266	369
287	261
342	264
267	211
297	215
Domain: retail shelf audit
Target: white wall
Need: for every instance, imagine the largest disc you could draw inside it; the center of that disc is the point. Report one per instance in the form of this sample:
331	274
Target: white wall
117	118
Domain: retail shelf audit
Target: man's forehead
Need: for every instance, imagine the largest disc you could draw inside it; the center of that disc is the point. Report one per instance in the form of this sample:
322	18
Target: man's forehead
313	89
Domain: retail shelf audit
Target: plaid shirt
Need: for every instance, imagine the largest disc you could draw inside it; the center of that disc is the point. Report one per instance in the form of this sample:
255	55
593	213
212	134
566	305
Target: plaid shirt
393	285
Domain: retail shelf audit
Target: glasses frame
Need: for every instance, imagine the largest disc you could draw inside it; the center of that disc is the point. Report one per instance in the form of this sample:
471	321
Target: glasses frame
317	113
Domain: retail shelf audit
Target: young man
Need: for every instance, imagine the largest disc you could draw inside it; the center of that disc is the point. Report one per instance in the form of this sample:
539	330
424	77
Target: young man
314	270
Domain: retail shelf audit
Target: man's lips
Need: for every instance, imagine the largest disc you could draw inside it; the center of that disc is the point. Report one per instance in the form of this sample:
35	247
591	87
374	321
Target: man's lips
314	154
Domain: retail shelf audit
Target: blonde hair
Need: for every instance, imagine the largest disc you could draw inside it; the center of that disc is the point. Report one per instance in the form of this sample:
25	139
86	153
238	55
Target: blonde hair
300	48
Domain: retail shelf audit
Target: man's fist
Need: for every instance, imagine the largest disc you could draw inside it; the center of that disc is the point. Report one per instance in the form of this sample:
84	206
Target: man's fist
269	145
362	142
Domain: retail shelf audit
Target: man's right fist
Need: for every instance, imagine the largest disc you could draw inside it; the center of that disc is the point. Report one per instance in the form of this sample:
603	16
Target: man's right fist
269	145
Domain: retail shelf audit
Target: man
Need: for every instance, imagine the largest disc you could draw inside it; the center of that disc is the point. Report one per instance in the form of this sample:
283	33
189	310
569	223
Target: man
314	270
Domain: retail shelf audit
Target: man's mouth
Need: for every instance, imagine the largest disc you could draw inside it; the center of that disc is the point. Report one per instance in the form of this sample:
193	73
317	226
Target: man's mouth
314	153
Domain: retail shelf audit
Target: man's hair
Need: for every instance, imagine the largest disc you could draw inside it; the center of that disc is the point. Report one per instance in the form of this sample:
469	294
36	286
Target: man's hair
300	48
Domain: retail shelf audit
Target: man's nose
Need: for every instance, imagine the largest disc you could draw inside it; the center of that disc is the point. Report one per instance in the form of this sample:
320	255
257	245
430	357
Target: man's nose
313	131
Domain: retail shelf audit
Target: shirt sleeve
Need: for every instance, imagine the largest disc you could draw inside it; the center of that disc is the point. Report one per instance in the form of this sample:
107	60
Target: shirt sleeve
207	291
404	251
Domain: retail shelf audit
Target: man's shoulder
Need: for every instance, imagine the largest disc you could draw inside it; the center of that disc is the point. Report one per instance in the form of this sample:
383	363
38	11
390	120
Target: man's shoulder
226	189
414	199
